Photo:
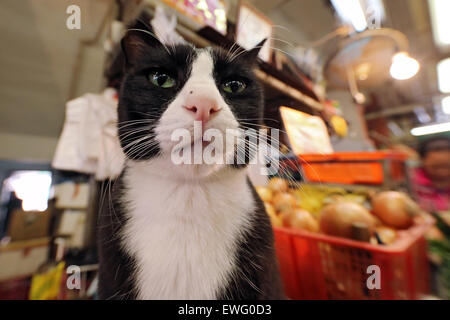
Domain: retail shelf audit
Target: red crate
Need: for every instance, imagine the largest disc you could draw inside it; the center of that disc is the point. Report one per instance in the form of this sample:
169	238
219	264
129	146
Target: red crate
354	167
317	266
15	289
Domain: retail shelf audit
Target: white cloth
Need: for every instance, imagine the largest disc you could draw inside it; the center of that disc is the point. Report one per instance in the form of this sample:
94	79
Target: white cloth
89	141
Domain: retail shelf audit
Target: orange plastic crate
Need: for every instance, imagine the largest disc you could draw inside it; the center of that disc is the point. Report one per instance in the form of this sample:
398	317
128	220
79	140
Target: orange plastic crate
317	266
354	167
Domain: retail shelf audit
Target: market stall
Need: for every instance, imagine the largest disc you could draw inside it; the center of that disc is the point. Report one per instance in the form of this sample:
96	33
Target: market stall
355	211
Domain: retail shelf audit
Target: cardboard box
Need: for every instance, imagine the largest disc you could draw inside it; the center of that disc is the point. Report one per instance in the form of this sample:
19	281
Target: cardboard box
26	225
73	225
70	195
23	258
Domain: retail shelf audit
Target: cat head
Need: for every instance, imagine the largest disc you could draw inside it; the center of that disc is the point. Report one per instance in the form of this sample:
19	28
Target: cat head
178	88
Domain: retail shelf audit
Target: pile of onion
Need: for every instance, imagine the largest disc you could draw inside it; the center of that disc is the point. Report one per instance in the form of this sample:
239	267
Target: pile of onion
394	209
299	219
278	185
339	219
265	194
284	202
275	220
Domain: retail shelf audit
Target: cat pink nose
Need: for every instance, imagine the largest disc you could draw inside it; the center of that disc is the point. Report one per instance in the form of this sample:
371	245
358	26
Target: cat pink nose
202	109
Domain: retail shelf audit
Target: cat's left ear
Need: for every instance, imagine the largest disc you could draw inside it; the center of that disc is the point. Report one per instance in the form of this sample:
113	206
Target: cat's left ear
252	54
136	44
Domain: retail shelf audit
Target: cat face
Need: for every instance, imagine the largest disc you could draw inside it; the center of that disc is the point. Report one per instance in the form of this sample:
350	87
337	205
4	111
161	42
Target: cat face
168	88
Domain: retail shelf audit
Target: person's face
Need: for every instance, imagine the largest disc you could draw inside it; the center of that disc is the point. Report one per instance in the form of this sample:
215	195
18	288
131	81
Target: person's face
437	165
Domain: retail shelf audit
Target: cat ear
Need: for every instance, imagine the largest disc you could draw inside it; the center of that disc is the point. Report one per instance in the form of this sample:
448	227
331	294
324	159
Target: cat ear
252	54
136	43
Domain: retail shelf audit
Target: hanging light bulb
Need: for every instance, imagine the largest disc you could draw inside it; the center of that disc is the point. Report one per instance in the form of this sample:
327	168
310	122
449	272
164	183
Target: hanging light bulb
403	66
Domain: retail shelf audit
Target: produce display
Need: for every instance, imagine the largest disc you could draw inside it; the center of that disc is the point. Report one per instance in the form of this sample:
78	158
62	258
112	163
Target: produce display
300	219
364	215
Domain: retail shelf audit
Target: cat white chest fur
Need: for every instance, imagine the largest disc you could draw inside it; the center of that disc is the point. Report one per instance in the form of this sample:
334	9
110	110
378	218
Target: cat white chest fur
184	234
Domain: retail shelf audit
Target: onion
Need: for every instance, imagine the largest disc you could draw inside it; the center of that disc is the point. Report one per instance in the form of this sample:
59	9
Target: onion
395	209
299	219
274	219
264	193
434	234
284	202
338	218
387	235
278	185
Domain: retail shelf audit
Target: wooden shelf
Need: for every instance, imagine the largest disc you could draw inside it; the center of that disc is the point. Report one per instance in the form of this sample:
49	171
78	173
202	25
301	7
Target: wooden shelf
288	90
25	244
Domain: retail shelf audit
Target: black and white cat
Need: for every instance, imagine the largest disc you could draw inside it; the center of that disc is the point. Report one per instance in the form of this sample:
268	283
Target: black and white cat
184	231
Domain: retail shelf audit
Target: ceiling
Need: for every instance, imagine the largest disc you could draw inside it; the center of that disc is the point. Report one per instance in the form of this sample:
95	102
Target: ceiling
40	62
44	64
305	21
298	22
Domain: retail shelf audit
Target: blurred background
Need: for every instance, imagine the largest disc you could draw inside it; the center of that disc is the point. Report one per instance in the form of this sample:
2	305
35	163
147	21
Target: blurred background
359	88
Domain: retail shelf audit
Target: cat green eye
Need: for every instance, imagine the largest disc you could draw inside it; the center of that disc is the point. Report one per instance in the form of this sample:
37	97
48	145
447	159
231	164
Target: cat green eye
161	79
234	86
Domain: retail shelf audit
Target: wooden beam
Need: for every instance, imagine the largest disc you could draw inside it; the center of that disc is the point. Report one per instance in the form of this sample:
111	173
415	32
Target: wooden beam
393	111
